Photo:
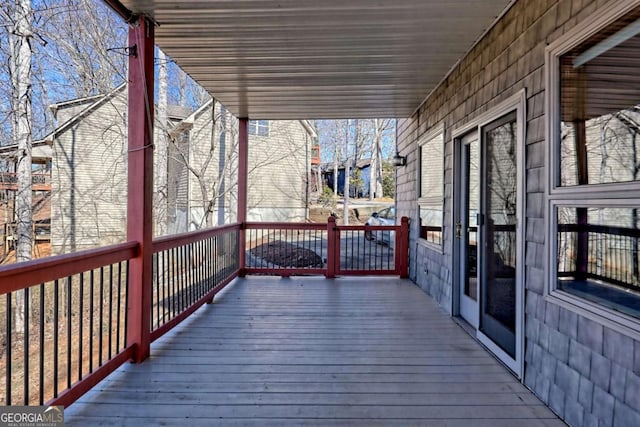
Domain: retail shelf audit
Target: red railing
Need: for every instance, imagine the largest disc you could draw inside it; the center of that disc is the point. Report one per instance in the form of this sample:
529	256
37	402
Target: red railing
288	249
74	308
63	324
39	181
368	250
188	270
611	254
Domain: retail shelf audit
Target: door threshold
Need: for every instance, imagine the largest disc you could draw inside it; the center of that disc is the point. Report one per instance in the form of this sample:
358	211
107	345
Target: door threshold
468	328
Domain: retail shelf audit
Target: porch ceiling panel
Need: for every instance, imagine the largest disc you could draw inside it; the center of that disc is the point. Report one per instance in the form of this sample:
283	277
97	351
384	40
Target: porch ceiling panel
294	59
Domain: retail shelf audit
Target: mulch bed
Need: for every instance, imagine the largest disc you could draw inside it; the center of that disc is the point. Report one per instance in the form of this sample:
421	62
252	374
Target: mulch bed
285	254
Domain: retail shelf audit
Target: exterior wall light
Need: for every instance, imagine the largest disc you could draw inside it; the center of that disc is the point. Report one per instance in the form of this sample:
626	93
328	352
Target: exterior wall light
399	160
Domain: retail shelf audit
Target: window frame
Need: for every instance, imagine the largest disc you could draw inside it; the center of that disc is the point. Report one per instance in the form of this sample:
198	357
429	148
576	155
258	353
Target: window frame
615	195
431	202
254	126
590	27
614	319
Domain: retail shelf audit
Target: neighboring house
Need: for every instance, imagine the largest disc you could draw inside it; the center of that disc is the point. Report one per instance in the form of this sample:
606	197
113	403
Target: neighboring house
364	168
88	174
522	185
41	198
280	160
89	171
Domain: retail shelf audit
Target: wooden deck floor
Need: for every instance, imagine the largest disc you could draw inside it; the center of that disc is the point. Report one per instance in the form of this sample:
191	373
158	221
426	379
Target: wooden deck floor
271	351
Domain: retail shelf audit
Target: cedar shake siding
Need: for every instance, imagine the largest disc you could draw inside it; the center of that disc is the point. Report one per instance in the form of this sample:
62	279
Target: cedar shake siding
585	368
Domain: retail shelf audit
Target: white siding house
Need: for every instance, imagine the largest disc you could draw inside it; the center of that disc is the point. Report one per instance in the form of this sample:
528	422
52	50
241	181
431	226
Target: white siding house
89	178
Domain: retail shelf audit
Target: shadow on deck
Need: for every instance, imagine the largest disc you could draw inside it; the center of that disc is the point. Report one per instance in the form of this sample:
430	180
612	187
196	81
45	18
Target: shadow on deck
311	351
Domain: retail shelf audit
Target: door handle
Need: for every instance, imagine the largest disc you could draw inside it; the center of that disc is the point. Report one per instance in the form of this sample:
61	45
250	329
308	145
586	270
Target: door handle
459	230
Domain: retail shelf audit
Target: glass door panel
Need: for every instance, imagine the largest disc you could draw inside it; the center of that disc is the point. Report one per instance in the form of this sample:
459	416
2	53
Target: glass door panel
467	227
499	237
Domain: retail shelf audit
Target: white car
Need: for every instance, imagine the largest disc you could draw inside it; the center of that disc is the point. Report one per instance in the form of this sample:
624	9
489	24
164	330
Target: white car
385	216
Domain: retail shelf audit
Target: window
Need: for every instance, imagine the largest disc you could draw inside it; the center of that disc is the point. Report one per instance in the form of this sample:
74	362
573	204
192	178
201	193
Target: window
599	107
259	127
431	185
598	255
595	184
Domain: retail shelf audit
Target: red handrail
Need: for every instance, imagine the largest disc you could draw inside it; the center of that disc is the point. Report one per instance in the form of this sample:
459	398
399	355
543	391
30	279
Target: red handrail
285	226
170	242
399	264
14	277
23	275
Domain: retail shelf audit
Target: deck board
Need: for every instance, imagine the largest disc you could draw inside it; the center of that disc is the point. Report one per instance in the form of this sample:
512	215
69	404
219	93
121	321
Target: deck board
309	351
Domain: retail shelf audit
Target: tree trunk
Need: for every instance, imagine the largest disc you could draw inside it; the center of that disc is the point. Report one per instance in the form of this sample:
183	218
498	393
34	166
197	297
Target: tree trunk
347	172
335	171
222	159
209	202
373	166
378	155
22	94
182	95
204	180
161	149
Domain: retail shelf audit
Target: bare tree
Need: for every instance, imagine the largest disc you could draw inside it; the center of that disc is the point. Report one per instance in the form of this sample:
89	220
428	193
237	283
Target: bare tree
161	148
381	127
86	48
21	67
210	164
347	175
331	137
370	139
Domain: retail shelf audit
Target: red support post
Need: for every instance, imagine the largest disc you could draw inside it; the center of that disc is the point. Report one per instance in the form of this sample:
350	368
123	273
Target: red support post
332	248
402	248
140	184
243	175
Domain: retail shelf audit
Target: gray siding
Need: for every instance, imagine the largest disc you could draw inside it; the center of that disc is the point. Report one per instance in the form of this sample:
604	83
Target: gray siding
586	372
89	176
213	157
278	167
278	170
89	181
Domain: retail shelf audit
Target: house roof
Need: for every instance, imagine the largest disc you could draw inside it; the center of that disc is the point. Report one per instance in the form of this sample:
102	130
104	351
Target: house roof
97	101
188	121
91	103
360	164
41	149
78	101
295	59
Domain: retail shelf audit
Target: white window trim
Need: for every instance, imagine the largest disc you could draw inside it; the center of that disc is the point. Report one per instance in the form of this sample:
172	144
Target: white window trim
593	195
257	127
589	27
426	137
613	319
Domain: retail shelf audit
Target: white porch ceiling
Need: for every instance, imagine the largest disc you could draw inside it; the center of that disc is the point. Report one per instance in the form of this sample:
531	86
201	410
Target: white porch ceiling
295	59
